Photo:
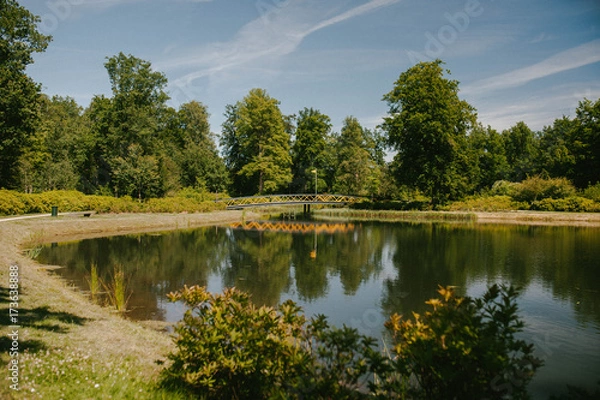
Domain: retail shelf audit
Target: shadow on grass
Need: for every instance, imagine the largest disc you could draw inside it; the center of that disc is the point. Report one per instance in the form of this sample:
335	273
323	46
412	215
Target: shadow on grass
42	318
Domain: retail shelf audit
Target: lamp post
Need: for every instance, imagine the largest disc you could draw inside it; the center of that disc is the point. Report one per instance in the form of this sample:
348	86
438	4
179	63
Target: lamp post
314	171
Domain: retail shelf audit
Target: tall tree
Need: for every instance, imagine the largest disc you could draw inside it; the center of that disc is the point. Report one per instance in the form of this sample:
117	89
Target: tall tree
134	128
488	149
427	125
356	171
58	148
257	145
309	150
19	94
555	154
521	150
201	166
586	143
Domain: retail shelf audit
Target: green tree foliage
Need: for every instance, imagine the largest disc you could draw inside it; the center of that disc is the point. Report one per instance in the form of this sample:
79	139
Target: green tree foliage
488	149
555	148
357	173
309	151
521	151
136	112
58	149
586	144
427	125
201	166
256	143
19	95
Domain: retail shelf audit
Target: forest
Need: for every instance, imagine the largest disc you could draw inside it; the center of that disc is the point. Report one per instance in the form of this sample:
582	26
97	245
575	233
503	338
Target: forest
133	143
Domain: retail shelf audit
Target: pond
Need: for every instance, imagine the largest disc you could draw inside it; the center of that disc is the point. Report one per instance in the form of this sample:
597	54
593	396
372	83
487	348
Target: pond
359	273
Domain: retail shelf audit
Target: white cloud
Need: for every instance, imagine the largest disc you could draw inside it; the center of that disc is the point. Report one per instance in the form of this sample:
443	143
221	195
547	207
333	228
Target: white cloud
276	33
585	54
537	109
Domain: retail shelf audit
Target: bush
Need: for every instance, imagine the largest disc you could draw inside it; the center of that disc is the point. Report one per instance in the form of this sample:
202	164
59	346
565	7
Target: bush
592	193
486	203
572	204
503	188
230	349
463	348
227	348
15	203
537	188
12	203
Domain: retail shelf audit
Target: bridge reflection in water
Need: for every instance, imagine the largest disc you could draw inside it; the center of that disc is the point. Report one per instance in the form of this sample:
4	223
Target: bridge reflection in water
294	227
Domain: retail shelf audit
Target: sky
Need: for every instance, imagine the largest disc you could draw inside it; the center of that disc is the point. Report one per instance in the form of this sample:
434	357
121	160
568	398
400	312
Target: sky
516	60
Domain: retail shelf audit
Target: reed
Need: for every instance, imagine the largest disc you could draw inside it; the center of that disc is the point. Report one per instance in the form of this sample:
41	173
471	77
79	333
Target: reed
117	291
94	282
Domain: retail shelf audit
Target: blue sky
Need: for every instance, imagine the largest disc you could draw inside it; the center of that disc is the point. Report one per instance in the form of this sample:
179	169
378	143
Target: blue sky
516	60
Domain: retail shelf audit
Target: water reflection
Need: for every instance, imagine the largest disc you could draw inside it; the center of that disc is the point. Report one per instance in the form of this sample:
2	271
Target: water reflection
360	273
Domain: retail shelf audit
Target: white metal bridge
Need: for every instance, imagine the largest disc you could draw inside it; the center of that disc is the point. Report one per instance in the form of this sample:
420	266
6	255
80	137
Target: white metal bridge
288	199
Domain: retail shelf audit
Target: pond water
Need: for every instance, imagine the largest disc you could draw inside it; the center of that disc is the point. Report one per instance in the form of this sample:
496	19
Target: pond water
359	273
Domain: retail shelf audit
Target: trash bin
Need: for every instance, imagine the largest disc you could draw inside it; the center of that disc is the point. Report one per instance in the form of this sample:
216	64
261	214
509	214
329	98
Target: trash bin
54	211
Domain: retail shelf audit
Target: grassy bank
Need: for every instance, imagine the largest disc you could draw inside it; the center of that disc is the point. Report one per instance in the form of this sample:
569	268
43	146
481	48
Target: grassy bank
68	347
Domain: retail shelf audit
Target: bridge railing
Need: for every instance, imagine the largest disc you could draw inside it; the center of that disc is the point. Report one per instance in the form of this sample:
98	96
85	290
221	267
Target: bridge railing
283	199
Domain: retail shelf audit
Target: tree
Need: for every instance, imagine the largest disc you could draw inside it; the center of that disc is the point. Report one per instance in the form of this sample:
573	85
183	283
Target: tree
201	165
256	145
427	125
132	128
309	149
488	148
57	148
136	174
19	95
586	144
521	151
555	150
356	170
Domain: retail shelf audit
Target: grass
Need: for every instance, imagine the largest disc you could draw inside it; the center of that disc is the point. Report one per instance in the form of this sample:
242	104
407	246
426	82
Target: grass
117	290
94	282
388	215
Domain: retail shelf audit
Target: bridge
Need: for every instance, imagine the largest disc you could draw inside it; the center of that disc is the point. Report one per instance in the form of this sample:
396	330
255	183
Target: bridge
288	199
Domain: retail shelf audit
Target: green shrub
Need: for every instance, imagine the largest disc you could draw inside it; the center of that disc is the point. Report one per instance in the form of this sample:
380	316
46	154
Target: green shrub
571	204
227	348
593	192
463	348
486	203
537	188
15	203
12	203
181	204
503	188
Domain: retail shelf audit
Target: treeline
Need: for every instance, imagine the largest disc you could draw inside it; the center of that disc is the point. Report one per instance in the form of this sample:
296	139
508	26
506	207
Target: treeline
132	143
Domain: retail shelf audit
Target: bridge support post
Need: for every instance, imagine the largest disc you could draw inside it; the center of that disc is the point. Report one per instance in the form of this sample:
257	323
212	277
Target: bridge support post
306	209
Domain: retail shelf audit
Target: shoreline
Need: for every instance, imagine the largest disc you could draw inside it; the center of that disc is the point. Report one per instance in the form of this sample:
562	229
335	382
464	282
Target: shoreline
105	335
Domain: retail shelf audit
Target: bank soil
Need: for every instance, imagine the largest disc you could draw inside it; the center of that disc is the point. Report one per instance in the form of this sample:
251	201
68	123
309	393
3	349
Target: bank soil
79	326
